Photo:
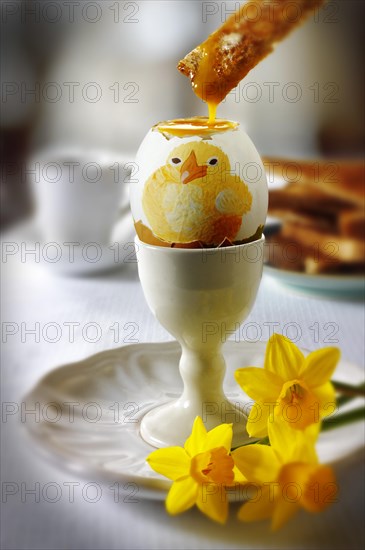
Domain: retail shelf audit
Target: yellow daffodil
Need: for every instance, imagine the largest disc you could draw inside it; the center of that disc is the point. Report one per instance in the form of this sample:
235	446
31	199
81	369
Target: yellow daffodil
200	471
286	475
290	387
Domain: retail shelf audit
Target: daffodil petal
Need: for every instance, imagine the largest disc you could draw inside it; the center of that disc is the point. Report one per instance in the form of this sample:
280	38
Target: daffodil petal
325	396
284	439
305	451
257	509
319	366
257	420
259	384
284	509
182	495
321	489
294	478
312	432
195	442
238	476
283	357
220	436
311	486
258	463
213	502
172	462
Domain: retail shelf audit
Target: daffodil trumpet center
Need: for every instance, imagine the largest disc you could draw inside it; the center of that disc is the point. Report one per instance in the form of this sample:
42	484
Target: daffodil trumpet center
298	405
214	466
293	392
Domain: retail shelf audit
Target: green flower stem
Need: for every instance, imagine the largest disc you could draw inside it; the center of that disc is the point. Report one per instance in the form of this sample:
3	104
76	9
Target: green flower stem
343	419
263	441
347	389
343	399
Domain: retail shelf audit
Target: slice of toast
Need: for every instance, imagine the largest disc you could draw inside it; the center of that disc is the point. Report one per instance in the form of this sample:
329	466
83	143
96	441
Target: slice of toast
284	254
328	245
352	223
307	199
324	222
321	267
347	223
291	255
323	217
217	65
344	180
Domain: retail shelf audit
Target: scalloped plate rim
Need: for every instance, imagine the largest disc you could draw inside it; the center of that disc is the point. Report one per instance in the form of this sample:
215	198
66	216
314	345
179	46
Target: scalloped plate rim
148	487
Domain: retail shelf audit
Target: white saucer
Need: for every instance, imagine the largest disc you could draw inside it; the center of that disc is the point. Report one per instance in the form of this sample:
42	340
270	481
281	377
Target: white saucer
93	258
111	391
76	259
346	286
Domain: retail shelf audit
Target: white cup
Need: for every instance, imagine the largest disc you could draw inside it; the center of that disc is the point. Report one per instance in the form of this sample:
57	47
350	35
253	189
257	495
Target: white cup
79	195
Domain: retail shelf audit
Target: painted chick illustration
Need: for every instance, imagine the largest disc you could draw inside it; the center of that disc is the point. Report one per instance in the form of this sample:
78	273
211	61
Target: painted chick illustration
195	197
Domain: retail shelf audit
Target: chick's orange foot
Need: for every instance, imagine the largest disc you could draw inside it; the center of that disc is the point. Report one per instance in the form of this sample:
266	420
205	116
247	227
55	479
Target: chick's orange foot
225	227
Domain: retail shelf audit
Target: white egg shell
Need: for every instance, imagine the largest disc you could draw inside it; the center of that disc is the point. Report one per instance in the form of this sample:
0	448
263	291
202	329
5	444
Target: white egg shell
244	162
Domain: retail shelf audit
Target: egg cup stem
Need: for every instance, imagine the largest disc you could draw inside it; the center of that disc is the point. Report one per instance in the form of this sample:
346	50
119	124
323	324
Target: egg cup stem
200	297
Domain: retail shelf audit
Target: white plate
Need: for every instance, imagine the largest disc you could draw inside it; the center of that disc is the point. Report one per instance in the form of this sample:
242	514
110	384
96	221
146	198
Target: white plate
98	436
351	286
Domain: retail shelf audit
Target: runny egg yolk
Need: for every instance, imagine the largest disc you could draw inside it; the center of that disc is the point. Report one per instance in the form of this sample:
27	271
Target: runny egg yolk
181	127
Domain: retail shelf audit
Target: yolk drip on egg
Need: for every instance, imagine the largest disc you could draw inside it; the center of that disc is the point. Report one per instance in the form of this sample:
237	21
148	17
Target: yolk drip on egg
184	127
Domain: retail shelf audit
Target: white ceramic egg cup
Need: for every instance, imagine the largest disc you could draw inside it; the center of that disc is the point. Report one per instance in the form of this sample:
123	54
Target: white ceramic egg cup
200	296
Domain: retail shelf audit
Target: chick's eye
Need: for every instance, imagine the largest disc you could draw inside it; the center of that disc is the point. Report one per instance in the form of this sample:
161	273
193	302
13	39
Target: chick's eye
175	160
213	161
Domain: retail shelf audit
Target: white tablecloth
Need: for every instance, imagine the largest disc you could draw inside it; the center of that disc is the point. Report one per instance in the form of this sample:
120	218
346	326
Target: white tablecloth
30	295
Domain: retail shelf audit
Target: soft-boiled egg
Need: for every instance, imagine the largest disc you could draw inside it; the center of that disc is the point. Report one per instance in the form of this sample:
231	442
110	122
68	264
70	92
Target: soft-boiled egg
198	184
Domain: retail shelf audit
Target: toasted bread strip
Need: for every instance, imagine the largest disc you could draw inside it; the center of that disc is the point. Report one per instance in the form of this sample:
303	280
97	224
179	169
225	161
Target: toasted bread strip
321	222
346	222
320	266
352	223
291	255
218	64
329	245
342	179
308	199
284	254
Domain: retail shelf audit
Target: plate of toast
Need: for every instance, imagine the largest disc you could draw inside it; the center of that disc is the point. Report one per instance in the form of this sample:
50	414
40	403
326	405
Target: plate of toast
315	237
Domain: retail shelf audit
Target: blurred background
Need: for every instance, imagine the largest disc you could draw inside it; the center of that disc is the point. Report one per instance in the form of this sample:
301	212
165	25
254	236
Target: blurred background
83	81
98	74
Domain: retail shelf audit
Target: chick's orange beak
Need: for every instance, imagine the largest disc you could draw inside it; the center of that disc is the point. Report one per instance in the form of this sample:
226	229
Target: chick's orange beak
190	170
